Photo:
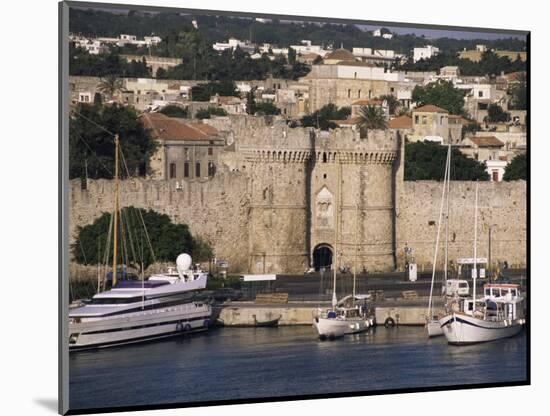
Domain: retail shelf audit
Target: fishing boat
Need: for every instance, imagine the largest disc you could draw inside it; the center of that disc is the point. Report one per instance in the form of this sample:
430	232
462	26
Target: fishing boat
140	310
266	322
497	314
349	316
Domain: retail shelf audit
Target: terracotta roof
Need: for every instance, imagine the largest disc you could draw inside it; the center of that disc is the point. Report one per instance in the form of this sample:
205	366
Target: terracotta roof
429	108
167	128
401	122
365	101
458	120
486	141
341	54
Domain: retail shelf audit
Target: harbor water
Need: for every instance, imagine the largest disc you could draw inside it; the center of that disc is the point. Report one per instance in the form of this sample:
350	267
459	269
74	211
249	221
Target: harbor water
247	363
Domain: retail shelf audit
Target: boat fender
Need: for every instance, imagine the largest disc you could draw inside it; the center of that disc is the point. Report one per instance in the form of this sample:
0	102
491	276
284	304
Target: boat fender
179	327
389	322
187	327
206	323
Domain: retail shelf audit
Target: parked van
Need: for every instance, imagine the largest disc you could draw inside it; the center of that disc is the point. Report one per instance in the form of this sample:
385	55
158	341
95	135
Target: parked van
456	287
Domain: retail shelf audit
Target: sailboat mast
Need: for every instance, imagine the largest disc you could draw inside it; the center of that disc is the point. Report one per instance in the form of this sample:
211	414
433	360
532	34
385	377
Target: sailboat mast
356	248
447	214
475	247
115	222
336	222
437	235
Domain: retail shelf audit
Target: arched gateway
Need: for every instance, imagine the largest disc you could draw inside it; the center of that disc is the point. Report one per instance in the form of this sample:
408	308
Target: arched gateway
322	256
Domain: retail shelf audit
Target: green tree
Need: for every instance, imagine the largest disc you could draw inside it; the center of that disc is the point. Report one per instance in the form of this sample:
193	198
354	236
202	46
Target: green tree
209	112
426	161
496	114
91	147
203	92
172	110
291	56
267	109
519	93
98	98
111	85
321	118
251	102
442	94
167	239
371	118
516	169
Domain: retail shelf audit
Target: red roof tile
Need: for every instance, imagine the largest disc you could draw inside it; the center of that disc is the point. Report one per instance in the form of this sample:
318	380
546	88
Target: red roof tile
401	122
429	108
167	128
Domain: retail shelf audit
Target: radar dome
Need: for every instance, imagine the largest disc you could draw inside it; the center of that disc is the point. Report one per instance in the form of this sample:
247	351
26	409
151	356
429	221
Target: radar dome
184	262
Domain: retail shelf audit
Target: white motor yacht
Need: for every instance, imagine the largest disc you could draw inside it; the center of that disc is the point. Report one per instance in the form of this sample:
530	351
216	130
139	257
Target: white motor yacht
135	311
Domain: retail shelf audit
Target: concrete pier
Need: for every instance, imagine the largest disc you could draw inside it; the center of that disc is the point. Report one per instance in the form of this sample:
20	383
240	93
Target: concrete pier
402	312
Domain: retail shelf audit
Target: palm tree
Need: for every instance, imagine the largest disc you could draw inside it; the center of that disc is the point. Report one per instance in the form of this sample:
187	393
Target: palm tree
392	102
371	118
110	85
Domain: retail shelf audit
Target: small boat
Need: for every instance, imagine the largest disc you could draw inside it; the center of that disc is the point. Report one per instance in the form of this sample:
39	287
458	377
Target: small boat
267	323
342	320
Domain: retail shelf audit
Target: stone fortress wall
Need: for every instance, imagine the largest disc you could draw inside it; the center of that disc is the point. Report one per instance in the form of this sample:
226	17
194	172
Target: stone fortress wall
275	199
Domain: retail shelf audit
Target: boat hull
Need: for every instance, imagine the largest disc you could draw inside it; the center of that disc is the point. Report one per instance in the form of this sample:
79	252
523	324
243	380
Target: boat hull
335	327
139	326
460	329
434	328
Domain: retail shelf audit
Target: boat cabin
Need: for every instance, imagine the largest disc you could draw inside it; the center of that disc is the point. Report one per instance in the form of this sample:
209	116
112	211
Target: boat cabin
500	302
505	291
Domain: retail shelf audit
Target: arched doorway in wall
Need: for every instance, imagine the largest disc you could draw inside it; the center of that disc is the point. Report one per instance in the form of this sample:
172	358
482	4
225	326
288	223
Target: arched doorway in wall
322	256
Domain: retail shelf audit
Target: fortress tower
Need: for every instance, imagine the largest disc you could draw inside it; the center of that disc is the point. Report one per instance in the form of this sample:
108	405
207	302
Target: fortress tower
297	201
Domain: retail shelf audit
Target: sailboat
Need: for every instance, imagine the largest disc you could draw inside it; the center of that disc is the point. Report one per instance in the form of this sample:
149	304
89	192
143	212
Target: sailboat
497	314
433	325
345	316
135	311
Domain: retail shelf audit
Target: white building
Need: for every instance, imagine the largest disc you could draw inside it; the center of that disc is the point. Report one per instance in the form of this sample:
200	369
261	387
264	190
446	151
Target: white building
424	53
377	33
152	40
233	43
306	47
387	35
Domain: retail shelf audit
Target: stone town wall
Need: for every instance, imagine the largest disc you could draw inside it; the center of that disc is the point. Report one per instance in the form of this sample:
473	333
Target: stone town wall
215	209
274	199
502	208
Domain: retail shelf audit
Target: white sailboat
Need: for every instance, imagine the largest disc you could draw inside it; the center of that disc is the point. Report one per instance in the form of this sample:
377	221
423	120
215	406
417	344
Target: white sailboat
135	311
433	325
498	314
345	316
